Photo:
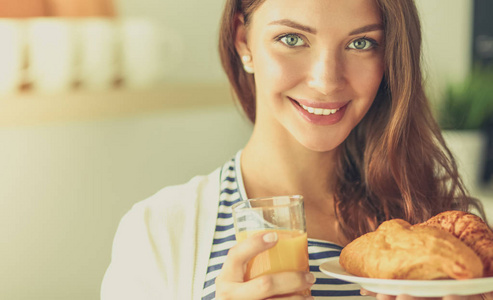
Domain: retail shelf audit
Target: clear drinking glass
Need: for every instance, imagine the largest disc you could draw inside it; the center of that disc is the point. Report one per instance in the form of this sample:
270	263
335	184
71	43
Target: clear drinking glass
284	215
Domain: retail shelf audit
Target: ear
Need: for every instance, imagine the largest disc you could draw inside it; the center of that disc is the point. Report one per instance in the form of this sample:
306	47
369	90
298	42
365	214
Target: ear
241	42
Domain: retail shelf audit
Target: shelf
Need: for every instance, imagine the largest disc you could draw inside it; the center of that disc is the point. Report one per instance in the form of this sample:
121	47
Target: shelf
32	109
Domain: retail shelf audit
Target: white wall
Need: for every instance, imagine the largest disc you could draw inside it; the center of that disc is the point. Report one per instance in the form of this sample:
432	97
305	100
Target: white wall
64	188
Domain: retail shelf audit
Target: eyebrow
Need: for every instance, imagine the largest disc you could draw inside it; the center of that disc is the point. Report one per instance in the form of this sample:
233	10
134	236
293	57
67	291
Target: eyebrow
367	28
293	24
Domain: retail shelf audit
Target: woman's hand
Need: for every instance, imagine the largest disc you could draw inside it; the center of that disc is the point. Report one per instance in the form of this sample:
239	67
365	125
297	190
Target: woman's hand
230	283
488	296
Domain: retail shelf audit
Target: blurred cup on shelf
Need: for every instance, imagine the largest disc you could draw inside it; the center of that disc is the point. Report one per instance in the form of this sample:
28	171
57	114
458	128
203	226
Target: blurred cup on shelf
12	39
97	53
147	48
52	54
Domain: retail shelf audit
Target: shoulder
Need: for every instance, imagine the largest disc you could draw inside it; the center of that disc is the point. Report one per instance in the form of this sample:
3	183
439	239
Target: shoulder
173	201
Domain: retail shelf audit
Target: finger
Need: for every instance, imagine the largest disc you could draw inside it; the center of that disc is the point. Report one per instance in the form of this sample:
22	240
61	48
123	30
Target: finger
409	297
364	292
455	297
487	296
234	267
404	297
385	297
283	283
266	286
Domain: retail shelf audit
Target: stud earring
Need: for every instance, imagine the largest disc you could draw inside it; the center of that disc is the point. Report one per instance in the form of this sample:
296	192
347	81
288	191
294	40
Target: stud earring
247	59
248	69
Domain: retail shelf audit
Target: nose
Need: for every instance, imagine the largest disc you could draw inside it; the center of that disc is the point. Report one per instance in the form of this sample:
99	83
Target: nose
326	74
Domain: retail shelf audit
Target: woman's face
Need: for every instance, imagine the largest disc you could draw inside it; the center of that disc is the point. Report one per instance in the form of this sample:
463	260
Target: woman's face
318	66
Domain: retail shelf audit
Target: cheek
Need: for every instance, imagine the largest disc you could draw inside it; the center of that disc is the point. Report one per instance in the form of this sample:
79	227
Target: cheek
277	72
365	76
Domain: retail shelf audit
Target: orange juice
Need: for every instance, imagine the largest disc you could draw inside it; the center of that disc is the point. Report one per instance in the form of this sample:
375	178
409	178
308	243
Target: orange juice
289	254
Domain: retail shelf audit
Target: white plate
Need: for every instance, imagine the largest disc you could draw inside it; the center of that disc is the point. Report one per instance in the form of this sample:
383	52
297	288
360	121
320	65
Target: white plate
419	288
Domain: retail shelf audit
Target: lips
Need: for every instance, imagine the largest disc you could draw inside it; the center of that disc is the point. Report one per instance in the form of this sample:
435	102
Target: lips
320	113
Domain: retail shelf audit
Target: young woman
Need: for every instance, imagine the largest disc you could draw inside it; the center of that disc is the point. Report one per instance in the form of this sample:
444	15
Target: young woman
334	90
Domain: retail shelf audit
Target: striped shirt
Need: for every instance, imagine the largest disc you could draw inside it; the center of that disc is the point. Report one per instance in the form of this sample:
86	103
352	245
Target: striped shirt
232	191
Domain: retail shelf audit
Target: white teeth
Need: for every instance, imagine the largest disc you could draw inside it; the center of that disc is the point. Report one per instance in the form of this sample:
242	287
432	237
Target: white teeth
319	111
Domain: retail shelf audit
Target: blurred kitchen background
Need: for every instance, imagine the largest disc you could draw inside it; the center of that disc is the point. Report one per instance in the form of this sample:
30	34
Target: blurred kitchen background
104	102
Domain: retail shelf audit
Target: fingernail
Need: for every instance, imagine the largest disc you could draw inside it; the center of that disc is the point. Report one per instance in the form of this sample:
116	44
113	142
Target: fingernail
453	297
270	237
310	278
363	292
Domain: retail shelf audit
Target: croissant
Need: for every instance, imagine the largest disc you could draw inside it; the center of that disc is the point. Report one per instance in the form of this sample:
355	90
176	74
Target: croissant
471	230
397	250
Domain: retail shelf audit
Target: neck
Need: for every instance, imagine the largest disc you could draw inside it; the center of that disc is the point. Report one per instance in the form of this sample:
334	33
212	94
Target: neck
276	164
273	166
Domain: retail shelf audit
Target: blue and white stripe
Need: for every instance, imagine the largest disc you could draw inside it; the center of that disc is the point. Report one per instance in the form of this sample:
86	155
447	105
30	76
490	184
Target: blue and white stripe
232	191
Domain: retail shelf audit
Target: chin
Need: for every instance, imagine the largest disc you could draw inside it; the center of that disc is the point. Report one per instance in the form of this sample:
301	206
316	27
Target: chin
317	145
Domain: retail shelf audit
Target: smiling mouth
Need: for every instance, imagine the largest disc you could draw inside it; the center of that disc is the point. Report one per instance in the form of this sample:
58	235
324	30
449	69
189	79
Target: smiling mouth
317	111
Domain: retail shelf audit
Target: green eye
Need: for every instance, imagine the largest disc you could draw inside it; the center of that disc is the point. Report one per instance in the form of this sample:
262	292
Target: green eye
362	44
292	40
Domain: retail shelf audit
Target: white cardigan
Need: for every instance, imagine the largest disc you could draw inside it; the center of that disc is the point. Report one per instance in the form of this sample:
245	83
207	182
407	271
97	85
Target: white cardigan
162	245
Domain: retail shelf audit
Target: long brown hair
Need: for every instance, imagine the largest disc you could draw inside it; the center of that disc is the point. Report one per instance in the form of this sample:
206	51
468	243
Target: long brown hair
395	163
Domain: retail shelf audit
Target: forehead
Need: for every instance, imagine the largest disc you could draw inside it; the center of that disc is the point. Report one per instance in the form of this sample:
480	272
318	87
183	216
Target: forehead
321	14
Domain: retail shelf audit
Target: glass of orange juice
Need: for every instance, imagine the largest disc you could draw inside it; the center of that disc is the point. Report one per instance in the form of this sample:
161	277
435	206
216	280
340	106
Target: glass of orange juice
284	215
